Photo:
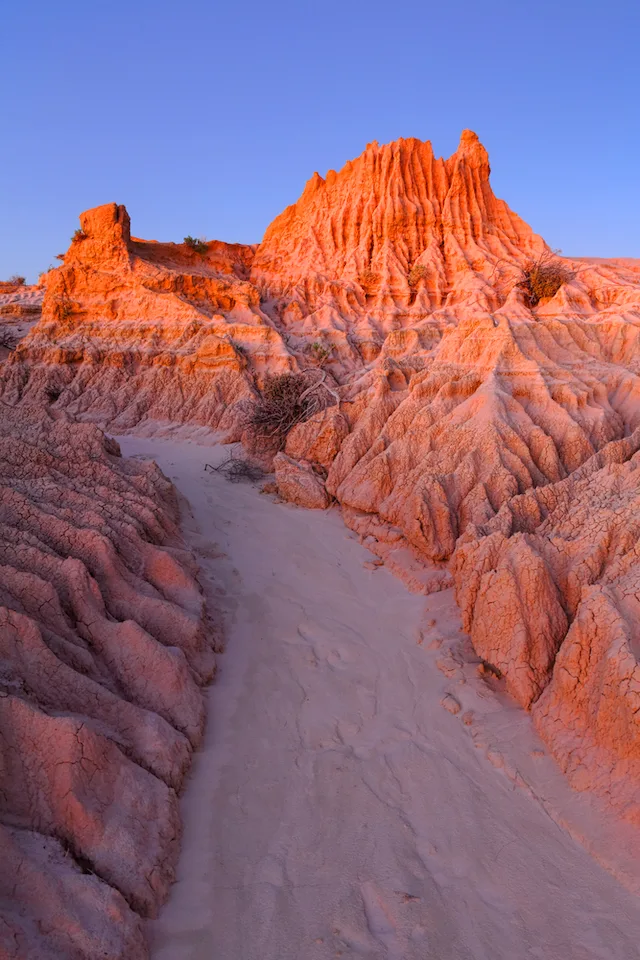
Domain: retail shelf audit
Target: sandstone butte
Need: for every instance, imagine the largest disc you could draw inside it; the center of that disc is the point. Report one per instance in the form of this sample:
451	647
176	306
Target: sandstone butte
464	428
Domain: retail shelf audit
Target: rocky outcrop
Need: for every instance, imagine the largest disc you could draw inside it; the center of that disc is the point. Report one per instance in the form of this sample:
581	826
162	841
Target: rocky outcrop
52	907
20	309
549	592
298	483
135	331
318	439
105	645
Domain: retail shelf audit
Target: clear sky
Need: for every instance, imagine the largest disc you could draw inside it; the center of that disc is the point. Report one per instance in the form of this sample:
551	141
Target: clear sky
207	118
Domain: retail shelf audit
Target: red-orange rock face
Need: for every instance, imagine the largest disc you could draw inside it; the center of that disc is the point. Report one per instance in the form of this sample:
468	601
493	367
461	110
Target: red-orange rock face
396	226
456	399
104	645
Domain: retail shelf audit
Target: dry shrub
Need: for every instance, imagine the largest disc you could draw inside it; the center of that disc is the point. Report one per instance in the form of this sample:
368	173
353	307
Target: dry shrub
238	470
286	399
78	236
416	274
542	278
199	244
319	353
368	280
17	281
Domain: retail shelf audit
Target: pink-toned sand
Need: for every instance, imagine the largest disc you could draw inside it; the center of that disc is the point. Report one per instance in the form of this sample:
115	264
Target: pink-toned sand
362	790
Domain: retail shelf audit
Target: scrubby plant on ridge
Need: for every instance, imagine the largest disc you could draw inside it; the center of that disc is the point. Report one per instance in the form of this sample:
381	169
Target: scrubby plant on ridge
198	244
17	281
319	352
78	236
367	280
541	278
63	306
286	400
416	274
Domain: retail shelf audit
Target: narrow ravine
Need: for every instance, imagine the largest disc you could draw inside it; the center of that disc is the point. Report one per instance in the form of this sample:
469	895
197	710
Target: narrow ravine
336	808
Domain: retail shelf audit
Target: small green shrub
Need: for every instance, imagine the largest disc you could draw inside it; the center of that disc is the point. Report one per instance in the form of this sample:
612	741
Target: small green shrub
198	244
542	278
319	352
416	274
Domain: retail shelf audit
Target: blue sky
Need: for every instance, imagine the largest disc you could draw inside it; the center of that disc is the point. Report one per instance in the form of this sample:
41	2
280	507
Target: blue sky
208	118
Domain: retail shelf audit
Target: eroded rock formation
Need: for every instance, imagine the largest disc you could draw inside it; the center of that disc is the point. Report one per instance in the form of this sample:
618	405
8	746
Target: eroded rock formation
104	646
549	589
138	331
20	309
453	393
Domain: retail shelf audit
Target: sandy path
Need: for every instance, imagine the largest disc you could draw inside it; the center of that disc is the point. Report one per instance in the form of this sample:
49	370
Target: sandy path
337	809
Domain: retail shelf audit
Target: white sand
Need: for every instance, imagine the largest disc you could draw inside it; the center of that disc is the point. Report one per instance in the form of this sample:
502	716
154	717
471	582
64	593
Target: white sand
337	809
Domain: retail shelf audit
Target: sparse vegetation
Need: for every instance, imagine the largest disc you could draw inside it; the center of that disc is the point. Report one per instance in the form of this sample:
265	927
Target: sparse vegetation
368	280
542	278
319	352
17	281
78	236
238	470
198	244
286	400
416	274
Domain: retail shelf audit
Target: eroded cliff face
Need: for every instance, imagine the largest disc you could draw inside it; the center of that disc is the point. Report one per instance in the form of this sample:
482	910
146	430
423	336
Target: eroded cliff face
395	226
549	592
453	394
105	644
134	330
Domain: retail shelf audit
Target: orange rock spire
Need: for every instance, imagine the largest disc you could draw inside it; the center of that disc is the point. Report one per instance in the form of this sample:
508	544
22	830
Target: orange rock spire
394	208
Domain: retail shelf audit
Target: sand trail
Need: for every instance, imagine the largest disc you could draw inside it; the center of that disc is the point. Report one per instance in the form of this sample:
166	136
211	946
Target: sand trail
336	808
